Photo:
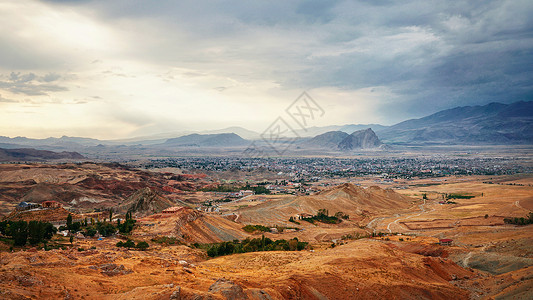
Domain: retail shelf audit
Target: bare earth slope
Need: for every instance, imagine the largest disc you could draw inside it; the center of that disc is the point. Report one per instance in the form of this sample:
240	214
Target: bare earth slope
191	226
355	201
145	202
365	269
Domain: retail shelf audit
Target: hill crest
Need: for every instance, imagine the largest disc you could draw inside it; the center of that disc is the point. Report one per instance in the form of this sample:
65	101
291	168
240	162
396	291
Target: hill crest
361	139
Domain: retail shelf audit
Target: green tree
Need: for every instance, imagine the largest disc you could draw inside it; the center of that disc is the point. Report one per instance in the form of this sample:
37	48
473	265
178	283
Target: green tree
49	231
19	232
322	212
127	226
36	232
105	229
90	231
129	244
293	245
142	245
75	227
69	221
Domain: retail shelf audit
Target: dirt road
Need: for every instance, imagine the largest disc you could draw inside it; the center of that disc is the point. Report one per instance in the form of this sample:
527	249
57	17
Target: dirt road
421	206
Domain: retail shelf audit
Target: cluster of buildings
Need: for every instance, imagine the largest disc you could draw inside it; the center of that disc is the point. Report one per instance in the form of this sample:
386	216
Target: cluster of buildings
315	168
23	206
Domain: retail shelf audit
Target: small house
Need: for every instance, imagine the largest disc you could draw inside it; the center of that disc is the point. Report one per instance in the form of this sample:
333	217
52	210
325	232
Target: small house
445	242
51	204
27	205
305	215
245	193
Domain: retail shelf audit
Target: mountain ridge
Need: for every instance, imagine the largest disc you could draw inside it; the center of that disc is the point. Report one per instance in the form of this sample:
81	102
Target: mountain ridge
207	140
30	154
494	123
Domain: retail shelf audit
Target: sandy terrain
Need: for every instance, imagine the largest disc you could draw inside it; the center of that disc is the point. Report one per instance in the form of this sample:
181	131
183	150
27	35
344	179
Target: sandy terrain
358	269
487	259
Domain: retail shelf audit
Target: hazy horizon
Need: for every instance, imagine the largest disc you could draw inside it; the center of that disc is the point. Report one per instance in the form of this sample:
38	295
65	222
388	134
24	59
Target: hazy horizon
124	69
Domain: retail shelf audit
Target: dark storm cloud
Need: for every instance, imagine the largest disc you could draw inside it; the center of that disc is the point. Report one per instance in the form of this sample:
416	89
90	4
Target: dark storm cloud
431	54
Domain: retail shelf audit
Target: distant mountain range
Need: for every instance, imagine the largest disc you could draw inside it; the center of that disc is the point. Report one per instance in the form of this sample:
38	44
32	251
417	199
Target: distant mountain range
162	137
29	154
494	123
349	128
207	140
51	141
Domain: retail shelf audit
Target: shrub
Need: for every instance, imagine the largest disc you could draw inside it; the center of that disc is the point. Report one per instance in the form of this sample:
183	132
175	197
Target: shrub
127	226
520	221
129	244
322	216
142	245
105	229
126	244
90	231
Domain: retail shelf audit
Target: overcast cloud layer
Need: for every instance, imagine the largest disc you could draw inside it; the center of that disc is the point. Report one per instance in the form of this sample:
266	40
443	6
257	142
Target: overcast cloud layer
113	69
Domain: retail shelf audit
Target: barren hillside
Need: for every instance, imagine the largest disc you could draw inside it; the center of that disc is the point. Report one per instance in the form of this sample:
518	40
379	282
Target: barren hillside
191	226
366	269
358	202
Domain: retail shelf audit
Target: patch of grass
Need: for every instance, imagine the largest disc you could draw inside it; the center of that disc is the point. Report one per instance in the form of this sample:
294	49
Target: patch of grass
167	240
255	228
459	196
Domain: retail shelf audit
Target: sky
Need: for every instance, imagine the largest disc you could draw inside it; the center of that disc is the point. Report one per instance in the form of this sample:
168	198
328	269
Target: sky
126	68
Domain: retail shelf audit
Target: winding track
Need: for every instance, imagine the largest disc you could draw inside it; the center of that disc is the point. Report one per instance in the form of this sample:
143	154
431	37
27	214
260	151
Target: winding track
469	255
411	216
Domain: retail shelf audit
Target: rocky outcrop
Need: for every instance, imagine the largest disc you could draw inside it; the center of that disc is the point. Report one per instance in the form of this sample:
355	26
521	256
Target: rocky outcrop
228	289
361	139
146	202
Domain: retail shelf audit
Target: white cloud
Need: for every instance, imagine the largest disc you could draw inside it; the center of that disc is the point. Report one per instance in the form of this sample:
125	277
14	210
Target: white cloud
113	69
